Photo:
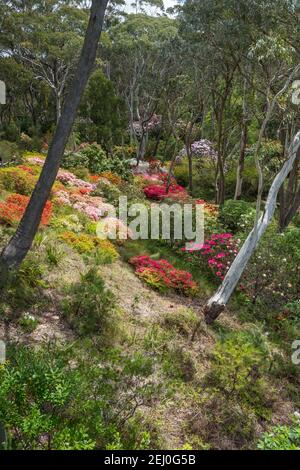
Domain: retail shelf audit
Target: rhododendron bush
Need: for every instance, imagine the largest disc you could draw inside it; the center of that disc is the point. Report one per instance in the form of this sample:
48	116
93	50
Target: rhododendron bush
163	276
217	253
13	208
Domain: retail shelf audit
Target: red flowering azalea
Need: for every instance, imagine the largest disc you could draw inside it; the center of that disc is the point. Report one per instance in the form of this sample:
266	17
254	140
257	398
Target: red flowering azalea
159	192
163	275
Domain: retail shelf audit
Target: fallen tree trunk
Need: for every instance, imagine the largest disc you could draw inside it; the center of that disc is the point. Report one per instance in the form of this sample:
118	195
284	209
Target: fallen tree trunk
218	301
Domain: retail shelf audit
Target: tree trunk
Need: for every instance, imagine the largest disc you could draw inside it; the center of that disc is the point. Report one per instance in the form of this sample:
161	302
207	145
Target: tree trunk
189	153
17	248
58	106
241	164
290	198
218	301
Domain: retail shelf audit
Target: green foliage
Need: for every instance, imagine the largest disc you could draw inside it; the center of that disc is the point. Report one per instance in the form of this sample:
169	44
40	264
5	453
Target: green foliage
56	402
95	159
41	389
233	213
239	364
8	150
104	112
28	323
124	151
90	307
16	180
110	191
281	438
23	287
72	161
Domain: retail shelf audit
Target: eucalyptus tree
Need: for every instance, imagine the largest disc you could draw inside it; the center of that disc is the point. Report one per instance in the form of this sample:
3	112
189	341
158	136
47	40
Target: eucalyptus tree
46	37
137	62
277	65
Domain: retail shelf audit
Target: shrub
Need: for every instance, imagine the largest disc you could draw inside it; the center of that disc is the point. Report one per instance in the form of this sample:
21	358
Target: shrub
112	177
99	162
74	160
50	399
126	151
108	190
95	156
90	307
272	274
92	207
69	223
239	365
232	212
281	437
163	276
41	389
217	253
12	210
16	179
159	192
106	252
8	150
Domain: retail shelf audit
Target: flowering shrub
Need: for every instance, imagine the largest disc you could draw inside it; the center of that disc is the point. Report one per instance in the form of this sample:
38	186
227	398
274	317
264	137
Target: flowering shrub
209	209
93	207
35	160
70	223
18	180
12	210
159	192
162	275
70	179
218	253
201	149
112	177
106	251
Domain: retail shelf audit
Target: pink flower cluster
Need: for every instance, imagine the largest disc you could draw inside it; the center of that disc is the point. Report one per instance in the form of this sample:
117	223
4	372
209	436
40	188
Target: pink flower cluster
93	207
70	179
35	161
219	251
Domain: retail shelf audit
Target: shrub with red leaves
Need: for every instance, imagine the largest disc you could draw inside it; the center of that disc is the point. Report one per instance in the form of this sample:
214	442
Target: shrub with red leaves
162	275
13	208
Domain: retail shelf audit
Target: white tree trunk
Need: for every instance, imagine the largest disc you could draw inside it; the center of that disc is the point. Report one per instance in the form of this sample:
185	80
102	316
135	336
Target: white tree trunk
218	301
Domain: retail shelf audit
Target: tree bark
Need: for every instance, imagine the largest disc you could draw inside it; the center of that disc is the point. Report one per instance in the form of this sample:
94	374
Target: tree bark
290	198
241	162
218	301
17	248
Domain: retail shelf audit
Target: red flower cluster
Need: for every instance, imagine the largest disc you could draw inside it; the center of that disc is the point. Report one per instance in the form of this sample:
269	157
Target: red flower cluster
163	275
219	250
12	210
159	192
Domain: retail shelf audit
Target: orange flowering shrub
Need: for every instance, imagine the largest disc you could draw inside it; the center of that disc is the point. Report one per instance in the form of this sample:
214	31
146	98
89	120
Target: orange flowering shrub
13	208
112	177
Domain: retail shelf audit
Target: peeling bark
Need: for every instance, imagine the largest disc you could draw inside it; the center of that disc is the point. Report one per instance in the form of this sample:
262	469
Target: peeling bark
218	301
